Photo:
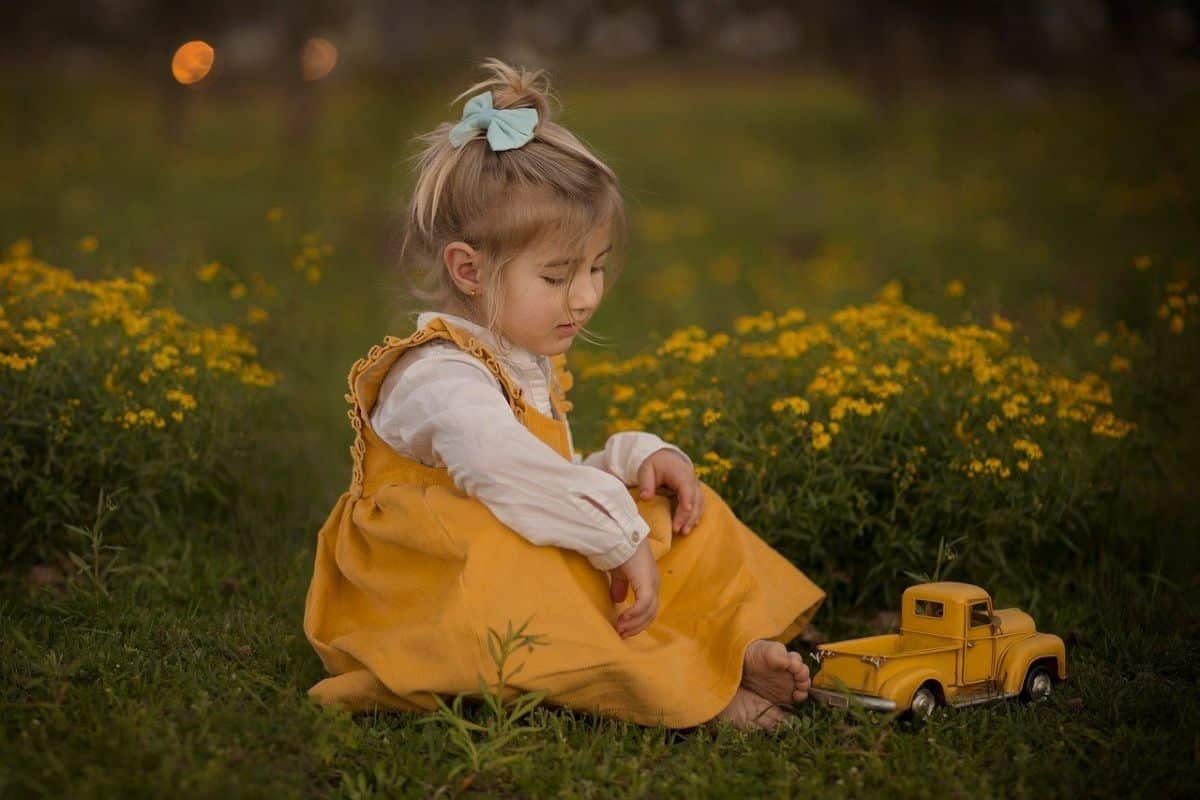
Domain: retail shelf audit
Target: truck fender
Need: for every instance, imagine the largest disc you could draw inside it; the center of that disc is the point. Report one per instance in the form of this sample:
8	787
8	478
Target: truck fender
1019	656
902	686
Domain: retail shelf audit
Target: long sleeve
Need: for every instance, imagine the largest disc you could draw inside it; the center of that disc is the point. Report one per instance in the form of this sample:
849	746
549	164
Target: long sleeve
450	410
624	453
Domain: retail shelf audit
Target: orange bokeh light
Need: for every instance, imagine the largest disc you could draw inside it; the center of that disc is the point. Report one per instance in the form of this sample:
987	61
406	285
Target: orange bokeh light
317	58
193	60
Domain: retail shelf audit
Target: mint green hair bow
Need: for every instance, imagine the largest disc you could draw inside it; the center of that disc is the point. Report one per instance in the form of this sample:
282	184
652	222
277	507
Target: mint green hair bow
507	128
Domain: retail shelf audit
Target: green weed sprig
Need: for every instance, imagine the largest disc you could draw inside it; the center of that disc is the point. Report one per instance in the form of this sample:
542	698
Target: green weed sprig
93	563
486	746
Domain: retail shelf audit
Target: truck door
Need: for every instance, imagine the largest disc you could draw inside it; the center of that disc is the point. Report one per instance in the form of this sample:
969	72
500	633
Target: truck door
979	644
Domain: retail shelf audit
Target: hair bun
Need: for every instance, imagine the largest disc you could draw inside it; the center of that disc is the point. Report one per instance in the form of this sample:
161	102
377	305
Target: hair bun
515	87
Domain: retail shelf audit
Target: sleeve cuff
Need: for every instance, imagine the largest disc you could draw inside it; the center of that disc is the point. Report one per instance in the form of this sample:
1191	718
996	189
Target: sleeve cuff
624	549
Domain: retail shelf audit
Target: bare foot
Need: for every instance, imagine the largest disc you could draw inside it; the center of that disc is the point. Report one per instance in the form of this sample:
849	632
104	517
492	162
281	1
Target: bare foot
749	710
775	673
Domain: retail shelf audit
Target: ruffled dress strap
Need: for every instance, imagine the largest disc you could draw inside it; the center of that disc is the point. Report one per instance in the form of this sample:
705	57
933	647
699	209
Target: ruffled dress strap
364	380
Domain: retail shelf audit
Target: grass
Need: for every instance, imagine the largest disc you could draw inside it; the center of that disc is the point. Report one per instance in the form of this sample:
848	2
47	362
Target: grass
177	665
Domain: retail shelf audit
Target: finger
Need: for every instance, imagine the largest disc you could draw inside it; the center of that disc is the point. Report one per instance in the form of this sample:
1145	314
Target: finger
642	601
639	623
684	504
646	479
619	588
699	511
638	613
683	511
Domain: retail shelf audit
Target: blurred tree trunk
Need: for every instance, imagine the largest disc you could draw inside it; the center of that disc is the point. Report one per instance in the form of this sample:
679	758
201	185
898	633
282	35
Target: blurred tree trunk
672	35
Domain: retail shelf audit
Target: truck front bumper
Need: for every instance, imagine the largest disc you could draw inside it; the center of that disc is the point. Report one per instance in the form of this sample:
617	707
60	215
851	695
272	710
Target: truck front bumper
841	700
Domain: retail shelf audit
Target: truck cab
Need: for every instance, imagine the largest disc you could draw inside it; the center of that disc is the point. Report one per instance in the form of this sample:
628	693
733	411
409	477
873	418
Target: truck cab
953	648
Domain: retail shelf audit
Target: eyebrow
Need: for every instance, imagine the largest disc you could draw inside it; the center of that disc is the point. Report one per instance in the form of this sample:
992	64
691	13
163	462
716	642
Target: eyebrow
562	262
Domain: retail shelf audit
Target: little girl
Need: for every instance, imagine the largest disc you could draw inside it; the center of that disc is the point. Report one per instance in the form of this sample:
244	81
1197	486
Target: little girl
469	509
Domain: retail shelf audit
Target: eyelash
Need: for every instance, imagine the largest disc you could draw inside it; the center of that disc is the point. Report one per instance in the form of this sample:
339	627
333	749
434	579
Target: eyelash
557	281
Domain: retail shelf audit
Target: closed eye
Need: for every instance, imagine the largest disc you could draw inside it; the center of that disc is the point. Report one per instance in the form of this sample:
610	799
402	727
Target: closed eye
559	281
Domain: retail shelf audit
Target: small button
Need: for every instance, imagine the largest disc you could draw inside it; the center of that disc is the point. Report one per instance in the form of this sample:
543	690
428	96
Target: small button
636	537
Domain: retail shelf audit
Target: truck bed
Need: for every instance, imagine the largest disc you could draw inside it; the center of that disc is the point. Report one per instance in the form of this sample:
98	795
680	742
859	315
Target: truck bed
892	645
864	665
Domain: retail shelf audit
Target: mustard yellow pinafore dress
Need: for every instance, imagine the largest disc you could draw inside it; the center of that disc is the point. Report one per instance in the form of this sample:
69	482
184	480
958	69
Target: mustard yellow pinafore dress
410	572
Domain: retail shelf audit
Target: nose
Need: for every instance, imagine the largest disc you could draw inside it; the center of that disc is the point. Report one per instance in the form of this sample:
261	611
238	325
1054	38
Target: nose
584	297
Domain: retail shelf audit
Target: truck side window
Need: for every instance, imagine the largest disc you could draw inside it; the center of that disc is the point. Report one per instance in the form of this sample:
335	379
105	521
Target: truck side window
930	608
979	615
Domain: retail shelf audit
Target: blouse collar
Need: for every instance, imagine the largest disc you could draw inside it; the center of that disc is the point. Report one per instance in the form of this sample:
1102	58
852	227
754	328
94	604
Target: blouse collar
516	354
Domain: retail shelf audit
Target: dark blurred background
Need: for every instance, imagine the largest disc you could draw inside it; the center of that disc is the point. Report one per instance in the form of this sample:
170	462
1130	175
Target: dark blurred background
889	47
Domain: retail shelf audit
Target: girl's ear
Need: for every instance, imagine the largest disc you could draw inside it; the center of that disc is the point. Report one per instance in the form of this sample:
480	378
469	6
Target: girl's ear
460	259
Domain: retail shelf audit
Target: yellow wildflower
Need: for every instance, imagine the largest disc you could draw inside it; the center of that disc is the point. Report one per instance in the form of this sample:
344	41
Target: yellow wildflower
144	277
88	244
21	248
1030	449
621	392
256	375
797	405
182	398
1070	317
955	288
891	292
791	316
209	271
1107	424
17	362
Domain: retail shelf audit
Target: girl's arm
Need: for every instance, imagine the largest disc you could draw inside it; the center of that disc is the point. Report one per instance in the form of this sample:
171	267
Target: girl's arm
450	411
624	453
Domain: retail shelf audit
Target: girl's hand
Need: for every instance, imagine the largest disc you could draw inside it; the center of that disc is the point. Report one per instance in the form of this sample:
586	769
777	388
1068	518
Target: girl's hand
640	573
667	468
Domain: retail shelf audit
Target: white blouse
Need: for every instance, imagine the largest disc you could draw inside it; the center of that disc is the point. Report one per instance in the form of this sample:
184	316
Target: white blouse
443	407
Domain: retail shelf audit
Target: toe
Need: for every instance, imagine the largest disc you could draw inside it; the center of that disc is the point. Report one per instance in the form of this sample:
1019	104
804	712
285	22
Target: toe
796	665
777	656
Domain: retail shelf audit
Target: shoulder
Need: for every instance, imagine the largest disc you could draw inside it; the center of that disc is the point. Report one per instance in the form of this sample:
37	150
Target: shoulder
432	363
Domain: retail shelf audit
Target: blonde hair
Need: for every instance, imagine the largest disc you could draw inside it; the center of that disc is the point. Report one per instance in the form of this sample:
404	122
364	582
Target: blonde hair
550	191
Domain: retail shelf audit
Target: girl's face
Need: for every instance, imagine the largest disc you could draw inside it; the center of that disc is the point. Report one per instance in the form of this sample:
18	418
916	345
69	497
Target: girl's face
535	285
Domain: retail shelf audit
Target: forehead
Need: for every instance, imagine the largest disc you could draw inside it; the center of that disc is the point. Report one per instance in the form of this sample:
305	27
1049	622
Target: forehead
561	249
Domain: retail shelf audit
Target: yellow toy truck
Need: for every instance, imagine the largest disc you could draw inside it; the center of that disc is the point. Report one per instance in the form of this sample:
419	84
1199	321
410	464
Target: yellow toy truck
952	649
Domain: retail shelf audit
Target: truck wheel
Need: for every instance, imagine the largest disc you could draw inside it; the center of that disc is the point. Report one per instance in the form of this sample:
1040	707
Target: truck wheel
1038	684
924	701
